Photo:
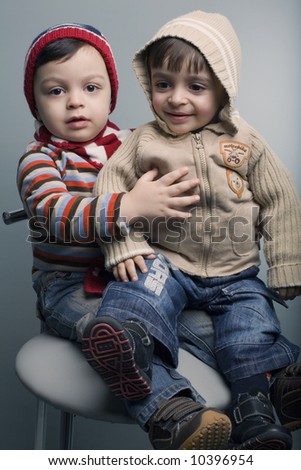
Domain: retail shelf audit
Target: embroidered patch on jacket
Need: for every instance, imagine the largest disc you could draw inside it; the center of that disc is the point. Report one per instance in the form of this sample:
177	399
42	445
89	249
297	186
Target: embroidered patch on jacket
234	153
235	182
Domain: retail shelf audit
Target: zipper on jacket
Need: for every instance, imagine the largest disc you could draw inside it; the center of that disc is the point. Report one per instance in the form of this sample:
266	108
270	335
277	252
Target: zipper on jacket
206	203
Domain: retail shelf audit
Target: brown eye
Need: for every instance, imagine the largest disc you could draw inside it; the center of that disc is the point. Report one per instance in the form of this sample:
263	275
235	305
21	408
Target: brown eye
91	88
56	91
197	87
162	85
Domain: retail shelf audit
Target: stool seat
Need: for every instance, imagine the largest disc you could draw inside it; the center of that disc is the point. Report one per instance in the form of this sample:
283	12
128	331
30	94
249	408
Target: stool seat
55	370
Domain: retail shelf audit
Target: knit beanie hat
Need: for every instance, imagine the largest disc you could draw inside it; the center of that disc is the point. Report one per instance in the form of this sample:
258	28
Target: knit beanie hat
213	35
83	32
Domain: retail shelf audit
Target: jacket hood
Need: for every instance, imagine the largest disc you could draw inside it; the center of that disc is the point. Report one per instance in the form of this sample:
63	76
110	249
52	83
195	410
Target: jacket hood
213	35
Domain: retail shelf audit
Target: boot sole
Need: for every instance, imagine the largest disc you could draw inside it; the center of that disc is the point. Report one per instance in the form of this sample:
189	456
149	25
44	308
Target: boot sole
213	432
265	442
107	349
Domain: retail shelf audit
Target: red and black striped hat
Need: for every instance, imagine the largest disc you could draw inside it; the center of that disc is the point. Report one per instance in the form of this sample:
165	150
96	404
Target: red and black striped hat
69	30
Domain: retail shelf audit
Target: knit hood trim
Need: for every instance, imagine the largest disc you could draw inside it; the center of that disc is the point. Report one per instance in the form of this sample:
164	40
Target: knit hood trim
213	35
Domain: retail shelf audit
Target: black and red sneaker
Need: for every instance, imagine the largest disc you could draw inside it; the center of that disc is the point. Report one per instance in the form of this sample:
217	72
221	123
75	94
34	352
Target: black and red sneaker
254	425
121	353
285	394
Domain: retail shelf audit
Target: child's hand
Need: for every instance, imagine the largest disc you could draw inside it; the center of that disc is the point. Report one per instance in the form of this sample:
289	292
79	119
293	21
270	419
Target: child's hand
126	271
289	293
164	197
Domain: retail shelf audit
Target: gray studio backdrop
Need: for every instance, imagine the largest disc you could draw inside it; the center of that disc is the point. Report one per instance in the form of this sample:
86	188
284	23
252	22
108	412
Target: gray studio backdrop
269	31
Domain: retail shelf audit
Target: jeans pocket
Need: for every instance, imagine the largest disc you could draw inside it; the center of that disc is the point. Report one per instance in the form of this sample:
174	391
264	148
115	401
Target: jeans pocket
61	301
249	286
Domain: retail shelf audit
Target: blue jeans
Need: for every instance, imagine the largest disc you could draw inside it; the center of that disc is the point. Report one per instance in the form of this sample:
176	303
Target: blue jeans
247	337
66	309
239	334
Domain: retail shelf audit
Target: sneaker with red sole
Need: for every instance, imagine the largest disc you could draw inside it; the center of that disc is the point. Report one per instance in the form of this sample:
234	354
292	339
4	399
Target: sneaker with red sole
121	353
254	425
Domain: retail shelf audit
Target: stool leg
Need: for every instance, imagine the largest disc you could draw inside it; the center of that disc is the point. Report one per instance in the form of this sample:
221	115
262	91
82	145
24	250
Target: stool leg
40	431
66	431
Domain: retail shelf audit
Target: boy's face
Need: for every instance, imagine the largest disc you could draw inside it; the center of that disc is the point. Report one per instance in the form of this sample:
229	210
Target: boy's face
73	97
186	101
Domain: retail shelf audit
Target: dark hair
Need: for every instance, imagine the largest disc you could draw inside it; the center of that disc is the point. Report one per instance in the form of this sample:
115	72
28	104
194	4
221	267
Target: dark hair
60	49
173	53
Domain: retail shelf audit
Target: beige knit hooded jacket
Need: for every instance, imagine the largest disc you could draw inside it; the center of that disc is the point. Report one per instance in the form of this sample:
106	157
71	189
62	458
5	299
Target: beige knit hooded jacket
243	185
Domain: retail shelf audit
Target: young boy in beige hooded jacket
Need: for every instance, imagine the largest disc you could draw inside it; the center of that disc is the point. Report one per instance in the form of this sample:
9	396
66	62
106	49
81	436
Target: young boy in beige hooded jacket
190	74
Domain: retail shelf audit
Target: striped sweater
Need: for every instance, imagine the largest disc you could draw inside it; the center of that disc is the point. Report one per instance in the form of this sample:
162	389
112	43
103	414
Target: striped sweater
65	219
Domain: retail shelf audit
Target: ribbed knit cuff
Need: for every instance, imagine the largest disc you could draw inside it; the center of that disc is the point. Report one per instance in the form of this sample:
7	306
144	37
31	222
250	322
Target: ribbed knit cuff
117	252
284	276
